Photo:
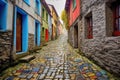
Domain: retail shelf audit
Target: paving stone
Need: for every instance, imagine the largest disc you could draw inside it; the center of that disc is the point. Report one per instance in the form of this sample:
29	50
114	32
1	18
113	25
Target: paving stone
67	76
35	69
72	76
41	76
102	78
16	78
67	79
85	75
45	71
10	78
47	67
40	71
56	79
26	71
66	71
35	75
60	79
93	77
91	74
49	73
33	79
16	74
49	77
80	77
22	76
99	74
59	76
29	76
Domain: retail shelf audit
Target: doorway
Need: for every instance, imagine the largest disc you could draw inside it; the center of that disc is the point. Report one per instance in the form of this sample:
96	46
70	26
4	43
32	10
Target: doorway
46	35
36	33
19	33
76	36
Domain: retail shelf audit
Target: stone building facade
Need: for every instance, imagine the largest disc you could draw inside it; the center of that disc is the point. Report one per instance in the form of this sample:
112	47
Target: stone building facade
19	27
72	8
103	43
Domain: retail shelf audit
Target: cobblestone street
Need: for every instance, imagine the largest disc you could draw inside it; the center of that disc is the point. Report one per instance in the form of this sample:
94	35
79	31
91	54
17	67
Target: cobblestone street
58	61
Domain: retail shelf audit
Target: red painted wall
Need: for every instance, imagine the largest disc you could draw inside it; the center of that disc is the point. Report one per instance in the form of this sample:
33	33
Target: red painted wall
74	12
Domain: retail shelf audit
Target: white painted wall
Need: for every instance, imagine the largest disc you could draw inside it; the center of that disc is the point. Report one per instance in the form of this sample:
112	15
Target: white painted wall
31	25
28	9
9	16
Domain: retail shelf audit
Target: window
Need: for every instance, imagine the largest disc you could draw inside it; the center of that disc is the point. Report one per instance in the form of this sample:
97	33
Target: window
74	4
3	15
27	2
116	19
42	12
46	16
89	27
37	7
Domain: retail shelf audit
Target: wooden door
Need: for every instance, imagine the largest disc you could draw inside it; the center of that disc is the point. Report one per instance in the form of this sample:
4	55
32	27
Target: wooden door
19	33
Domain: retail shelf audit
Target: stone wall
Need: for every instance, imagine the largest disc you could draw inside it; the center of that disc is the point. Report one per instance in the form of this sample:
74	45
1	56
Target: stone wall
5	47
71	35
31	41
103	48
5	42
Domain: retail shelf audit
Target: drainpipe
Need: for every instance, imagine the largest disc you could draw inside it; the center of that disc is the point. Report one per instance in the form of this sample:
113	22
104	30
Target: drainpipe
12	41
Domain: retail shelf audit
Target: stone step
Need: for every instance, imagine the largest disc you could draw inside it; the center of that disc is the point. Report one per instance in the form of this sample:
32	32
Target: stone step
27	58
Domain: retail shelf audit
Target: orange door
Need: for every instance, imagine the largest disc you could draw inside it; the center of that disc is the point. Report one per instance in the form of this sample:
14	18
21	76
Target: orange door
19	33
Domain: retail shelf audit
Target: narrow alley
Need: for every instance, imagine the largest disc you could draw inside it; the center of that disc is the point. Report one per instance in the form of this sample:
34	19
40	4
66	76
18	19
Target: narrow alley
57	61
59	39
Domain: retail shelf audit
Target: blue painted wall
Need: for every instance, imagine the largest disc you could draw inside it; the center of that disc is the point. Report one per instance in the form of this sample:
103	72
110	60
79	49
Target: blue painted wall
24	29
27	2
3	15
37	4
38	32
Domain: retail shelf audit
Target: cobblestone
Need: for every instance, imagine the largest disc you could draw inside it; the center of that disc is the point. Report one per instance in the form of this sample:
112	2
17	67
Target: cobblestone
58	61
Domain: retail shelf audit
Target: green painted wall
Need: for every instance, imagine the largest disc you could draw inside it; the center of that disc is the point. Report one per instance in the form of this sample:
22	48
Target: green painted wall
44	23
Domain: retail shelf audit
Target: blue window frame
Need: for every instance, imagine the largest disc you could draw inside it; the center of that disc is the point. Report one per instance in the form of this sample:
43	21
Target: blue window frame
27	2
37	6
3	15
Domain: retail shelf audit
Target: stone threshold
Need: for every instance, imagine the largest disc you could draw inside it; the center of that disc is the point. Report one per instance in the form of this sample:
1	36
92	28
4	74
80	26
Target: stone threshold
27	58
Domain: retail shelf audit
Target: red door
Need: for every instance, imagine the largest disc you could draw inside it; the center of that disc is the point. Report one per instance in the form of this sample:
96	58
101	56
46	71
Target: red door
19	33
46	35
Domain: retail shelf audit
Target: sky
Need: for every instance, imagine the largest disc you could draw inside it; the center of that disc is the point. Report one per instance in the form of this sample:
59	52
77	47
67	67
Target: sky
58	4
